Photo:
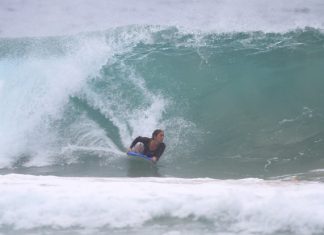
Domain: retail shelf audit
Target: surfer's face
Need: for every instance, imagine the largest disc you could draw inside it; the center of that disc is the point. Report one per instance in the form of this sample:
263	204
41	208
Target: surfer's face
160	137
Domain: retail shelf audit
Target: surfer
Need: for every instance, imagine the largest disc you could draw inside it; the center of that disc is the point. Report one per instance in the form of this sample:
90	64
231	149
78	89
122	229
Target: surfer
152	147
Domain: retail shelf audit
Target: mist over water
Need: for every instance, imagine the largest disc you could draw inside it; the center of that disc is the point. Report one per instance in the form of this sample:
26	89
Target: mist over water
69	17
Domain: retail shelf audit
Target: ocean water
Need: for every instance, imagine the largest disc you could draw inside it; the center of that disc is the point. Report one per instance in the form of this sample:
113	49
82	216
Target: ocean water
237	87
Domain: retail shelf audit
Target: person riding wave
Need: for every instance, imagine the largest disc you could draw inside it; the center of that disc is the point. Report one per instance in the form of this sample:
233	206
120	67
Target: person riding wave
151	147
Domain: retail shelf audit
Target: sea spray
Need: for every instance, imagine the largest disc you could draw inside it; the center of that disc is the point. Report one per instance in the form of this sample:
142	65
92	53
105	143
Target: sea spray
71	17
36	89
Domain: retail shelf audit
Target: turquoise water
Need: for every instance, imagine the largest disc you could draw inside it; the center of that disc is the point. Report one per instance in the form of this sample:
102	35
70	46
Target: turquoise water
232	104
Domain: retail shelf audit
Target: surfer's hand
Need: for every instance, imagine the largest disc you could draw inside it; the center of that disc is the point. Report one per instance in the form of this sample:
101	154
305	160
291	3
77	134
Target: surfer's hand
154	159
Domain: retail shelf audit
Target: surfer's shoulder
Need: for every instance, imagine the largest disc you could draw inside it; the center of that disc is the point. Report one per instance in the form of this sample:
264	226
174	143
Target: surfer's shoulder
141	138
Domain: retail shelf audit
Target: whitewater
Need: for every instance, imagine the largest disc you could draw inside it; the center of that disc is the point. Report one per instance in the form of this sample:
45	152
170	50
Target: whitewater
161	206
237	87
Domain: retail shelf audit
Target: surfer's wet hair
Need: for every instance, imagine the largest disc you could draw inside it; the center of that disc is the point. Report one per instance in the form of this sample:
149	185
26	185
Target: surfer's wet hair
156	132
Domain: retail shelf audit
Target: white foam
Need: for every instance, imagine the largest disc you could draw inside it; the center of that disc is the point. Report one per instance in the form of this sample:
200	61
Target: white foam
141	119
239	206
35	89
65	17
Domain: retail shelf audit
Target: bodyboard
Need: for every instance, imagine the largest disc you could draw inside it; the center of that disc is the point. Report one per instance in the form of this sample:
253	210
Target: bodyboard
139	155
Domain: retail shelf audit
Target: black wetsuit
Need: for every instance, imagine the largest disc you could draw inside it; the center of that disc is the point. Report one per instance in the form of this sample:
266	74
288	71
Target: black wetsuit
157	153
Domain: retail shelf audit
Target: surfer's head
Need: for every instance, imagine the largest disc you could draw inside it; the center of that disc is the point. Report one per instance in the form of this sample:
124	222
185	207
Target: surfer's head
158	135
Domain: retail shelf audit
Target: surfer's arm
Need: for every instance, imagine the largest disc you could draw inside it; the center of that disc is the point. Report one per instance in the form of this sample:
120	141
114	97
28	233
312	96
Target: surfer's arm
135	142
137	139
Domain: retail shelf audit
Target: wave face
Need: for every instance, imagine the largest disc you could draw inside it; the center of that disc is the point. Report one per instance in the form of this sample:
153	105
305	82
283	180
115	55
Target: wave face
232	104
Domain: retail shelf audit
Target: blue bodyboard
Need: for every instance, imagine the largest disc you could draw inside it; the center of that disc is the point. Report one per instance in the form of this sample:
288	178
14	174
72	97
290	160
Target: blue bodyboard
139	155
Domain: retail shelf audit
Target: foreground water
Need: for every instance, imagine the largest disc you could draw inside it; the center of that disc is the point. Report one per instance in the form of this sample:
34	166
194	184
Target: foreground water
61	205
238	93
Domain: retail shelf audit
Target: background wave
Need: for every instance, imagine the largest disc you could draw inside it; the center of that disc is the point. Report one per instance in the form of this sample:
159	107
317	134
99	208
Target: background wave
75	16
